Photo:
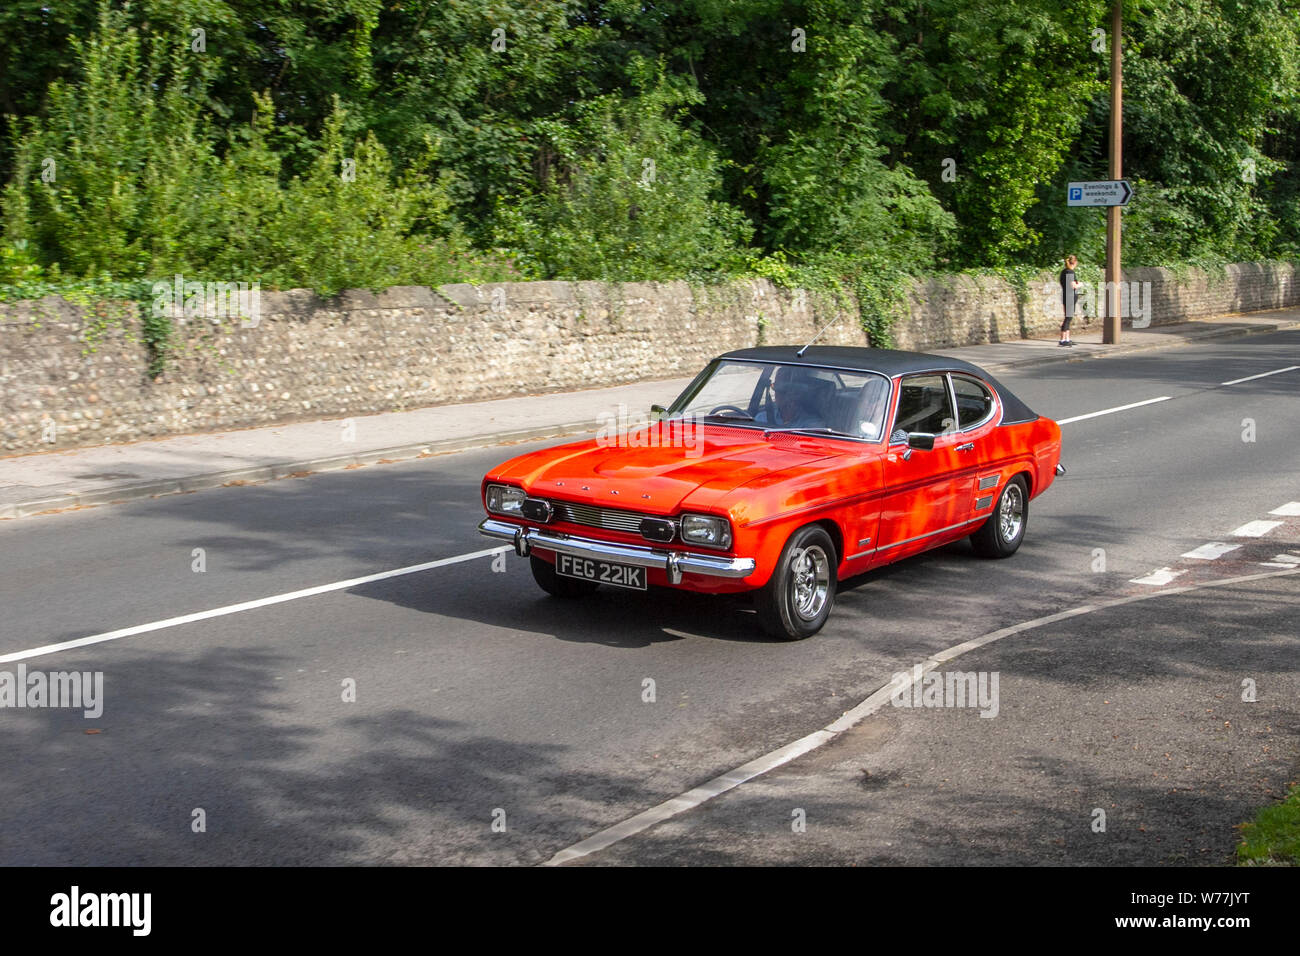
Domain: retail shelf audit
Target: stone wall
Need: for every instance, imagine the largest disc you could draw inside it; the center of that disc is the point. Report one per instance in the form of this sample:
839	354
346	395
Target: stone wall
947	311
412	346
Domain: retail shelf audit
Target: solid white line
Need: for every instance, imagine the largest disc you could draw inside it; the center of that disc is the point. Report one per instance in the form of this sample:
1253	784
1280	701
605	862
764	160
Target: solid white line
1111	411
1251	378
760	765
1208	552
692	798
1256	529
245	606
1289	510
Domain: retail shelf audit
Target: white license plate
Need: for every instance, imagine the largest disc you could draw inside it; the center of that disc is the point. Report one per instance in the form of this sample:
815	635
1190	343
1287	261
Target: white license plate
604	572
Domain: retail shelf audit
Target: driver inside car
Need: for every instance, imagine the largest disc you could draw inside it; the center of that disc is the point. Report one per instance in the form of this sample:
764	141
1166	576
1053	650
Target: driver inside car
792	402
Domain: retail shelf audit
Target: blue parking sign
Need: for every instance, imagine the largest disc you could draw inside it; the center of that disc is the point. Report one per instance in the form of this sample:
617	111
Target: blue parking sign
1076	193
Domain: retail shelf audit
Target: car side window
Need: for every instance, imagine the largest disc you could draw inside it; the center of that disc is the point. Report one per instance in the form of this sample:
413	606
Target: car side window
924	406
974	401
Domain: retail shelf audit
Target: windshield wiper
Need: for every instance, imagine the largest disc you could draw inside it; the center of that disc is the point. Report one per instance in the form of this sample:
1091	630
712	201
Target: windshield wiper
820	431
730	418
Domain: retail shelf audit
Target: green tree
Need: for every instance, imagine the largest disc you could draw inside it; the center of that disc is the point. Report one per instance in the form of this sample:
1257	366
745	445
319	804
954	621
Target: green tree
1207	82
110	181
1002	90
830	189
629	194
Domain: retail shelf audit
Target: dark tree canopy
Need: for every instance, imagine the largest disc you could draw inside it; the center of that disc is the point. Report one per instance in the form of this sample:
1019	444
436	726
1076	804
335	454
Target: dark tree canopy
337	142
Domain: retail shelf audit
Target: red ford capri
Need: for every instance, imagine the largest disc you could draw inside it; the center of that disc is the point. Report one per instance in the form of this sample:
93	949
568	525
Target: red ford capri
781	471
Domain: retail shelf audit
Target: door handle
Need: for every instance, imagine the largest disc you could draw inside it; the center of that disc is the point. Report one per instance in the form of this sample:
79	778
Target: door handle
966	447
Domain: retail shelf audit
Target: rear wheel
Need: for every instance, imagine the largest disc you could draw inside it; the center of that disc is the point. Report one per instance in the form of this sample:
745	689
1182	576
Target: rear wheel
796	602
1000	536
557	585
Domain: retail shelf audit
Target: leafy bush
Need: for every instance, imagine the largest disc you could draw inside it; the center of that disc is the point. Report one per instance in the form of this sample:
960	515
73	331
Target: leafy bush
347	223
629	195
111	181
136	187
17	265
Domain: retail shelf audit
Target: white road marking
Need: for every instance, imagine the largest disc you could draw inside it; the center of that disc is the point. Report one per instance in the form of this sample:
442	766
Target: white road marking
1208	552
245	606
1256	529
1289	510
1157	577
1111	411
760	765
1251	378
1283	561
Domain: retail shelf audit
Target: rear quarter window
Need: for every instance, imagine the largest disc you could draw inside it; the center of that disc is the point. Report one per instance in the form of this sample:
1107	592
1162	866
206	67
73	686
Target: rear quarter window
975	403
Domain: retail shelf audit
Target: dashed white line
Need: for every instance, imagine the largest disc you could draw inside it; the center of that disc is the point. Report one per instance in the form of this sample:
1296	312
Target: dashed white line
1289	510
1256	529
1157	577
1208	552
245	606
1251	378
1111	411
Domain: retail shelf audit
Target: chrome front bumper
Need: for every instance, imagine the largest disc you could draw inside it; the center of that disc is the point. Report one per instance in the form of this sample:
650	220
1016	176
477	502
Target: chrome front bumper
672	563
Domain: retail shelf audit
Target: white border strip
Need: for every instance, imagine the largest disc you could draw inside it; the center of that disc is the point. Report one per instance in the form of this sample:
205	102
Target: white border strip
761	765
1111	411
1256	529
246	606
1251	378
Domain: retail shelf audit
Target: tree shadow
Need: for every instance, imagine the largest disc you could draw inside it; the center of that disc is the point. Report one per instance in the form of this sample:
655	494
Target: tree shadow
1125	711
284	772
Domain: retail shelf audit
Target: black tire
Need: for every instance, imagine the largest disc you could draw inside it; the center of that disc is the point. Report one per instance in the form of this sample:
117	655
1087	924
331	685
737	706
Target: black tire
796	602
1000	536
557	585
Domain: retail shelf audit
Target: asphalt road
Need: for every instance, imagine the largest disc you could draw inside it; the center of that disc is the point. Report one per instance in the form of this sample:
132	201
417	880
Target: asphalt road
478	700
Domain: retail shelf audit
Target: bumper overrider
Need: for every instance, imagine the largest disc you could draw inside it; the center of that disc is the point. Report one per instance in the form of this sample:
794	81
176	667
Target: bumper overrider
673	563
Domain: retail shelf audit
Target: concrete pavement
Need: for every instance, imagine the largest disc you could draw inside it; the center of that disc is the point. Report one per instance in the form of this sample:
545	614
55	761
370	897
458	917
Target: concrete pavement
84	477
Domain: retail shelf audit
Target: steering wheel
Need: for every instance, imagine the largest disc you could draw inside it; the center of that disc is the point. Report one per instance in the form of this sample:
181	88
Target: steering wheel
729	408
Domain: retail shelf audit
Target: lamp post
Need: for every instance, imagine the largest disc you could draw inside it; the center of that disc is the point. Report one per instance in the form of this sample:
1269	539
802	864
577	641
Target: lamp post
1111	327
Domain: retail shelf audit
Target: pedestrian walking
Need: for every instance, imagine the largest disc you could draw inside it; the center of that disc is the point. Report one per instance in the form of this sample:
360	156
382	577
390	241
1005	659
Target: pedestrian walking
1069	298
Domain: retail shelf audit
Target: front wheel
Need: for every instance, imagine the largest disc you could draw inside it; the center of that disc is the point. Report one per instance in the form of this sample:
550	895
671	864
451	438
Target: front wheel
796	602
1000	536
557	585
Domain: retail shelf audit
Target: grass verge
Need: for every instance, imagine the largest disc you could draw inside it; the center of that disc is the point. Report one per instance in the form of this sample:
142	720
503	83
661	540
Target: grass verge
1273	837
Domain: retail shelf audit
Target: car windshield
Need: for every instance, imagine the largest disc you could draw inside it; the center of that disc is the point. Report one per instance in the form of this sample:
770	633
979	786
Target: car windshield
768	396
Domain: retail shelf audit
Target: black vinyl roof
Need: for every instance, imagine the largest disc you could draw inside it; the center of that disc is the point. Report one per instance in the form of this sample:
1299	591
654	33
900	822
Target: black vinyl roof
888	362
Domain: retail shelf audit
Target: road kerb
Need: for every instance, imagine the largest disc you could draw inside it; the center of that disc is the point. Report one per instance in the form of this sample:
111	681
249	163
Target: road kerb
255	475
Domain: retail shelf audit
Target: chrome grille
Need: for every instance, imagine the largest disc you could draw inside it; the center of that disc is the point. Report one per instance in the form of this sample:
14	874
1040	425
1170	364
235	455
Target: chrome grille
594	516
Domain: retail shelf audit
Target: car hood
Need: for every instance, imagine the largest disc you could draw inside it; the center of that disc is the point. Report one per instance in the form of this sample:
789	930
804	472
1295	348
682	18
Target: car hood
663	480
